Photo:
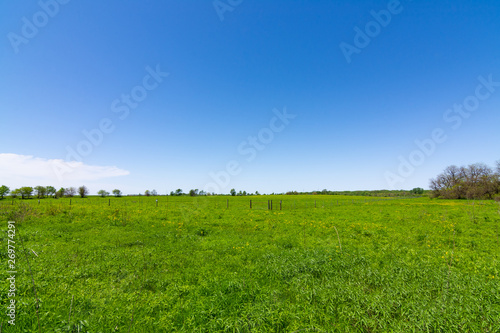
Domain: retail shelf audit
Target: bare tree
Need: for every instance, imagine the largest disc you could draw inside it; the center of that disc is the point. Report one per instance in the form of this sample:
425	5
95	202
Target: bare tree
475	181
497	177
83	191
70	192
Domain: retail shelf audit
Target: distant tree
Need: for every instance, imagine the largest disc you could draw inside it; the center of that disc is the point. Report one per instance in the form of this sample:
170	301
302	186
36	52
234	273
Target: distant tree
117	193
257	193
476	181
4	190
15	193
60	192
40	191
83	191
178	192
26	192
154	193
498	177
193	193
51	191
232	192
147	193
244	192
103	193
202	193
70	192
417	190
172	193
479	180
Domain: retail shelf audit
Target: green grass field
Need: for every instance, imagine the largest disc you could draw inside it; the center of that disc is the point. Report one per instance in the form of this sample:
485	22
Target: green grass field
321	264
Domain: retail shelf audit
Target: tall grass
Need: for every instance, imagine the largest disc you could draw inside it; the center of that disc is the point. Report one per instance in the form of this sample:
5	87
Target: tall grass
193	265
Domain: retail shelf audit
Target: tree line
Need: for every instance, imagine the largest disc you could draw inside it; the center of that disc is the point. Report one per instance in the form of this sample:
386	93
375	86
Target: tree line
28	192
196	192
40	192
476	181
365	193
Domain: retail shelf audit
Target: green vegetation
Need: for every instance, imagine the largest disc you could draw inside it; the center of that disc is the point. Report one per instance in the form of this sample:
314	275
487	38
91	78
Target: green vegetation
193	264
103	193
4	190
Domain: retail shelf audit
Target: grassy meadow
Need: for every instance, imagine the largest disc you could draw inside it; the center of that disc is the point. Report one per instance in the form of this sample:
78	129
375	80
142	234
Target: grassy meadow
320	264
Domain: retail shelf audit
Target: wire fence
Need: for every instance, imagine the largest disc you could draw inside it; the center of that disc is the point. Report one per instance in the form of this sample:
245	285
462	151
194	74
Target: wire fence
167	202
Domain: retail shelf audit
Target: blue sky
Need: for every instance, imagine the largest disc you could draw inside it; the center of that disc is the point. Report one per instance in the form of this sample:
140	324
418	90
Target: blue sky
265	96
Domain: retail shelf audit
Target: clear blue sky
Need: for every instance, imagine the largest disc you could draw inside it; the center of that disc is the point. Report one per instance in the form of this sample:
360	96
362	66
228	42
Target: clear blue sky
354	85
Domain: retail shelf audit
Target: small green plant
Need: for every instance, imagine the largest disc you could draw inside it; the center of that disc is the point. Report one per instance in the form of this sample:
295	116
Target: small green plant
203	232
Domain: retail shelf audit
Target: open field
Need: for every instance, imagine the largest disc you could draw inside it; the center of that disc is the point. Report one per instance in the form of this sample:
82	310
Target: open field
321	264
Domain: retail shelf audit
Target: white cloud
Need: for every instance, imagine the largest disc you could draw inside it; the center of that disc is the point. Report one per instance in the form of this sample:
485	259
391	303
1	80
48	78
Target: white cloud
27	170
